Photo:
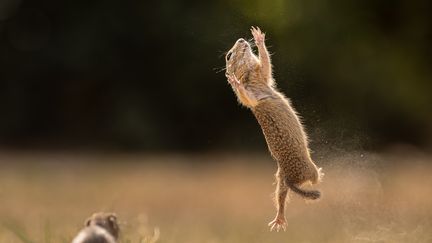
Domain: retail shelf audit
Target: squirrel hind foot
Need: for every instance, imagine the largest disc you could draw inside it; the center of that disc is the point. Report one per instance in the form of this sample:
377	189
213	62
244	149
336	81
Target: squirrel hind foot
277	224
320	175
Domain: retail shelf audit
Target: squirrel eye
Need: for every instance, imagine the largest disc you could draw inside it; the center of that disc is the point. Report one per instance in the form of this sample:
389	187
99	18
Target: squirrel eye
228	56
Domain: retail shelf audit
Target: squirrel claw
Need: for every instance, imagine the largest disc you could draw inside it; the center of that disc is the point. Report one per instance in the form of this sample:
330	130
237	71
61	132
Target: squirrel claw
278	224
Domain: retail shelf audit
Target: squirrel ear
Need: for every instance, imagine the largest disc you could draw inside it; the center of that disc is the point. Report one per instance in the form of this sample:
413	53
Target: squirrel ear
112	217
87	222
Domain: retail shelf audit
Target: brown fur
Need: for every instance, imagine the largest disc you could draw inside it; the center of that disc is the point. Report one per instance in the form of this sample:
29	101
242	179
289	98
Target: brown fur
99	228
251	79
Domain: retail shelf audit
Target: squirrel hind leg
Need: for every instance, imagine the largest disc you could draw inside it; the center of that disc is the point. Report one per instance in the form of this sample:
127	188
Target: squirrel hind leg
279	222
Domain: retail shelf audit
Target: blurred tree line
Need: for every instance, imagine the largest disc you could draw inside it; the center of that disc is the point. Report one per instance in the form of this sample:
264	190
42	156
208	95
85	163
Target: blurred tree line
144	74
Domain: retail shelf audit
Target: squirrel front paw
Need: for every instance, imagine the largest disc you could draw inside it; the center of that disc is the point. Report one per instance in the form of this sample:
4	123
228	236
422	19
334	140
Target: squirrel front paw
232	79
258	35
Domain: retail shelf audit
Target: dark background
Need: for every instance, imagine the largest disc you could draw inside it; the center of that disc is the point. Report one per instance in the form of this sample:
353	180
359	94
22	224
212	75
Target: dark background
143	75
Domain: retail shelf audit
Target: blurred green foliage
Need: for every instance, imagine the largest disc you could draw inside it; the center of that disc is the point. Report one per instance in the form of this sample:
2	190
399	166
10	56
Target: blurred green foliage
143	75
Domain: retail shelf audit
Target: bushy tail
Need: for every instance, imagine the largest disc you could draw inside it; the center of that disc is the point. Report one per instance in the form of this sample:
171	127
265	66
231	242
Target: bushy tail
304	193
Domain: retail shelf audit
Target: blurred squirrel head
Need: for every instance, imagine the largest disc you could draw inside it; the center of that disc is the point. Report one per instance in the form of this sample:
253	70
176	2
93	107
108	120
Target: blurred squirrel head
108	221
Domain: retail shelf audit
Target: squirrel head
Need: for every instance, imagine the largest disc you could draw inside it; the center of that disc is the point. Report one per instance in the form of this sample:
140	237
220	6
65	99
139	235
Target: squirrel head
240	59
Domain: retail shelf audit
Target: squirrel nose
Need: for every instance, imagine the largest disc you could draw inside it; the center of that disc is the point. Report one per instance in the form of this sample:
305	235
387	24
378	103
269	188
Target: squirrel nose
241	40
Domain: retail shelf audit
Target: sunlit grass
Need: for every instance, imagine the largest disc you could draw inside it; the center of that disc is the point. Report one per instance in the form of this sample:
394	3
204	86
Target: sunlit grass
47	197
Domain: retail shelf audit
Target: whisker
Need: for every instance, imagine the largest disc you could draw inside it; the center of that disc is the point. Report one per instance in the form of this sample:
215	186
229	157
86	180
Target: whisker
219	69
252	42
223	54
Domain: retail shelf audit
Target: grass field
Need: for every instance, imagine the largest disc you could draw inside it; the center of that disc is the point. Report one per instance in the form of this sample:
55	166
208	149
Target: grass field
366	198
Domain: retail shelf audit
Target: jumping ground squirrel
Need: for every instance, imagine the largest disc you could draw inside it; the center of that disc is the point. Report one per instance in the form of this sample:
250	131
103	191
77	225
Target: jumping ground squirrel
251	79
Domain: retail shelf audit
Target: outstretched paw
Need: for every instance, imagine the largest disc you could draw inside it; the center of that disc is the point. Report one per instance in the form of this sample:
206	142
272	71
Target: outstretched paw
258	35
278	224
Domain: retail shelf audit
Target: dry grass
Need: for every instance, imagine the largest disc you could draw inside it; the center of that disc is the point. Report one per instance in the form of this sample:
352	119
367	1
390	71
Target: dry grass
45	198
